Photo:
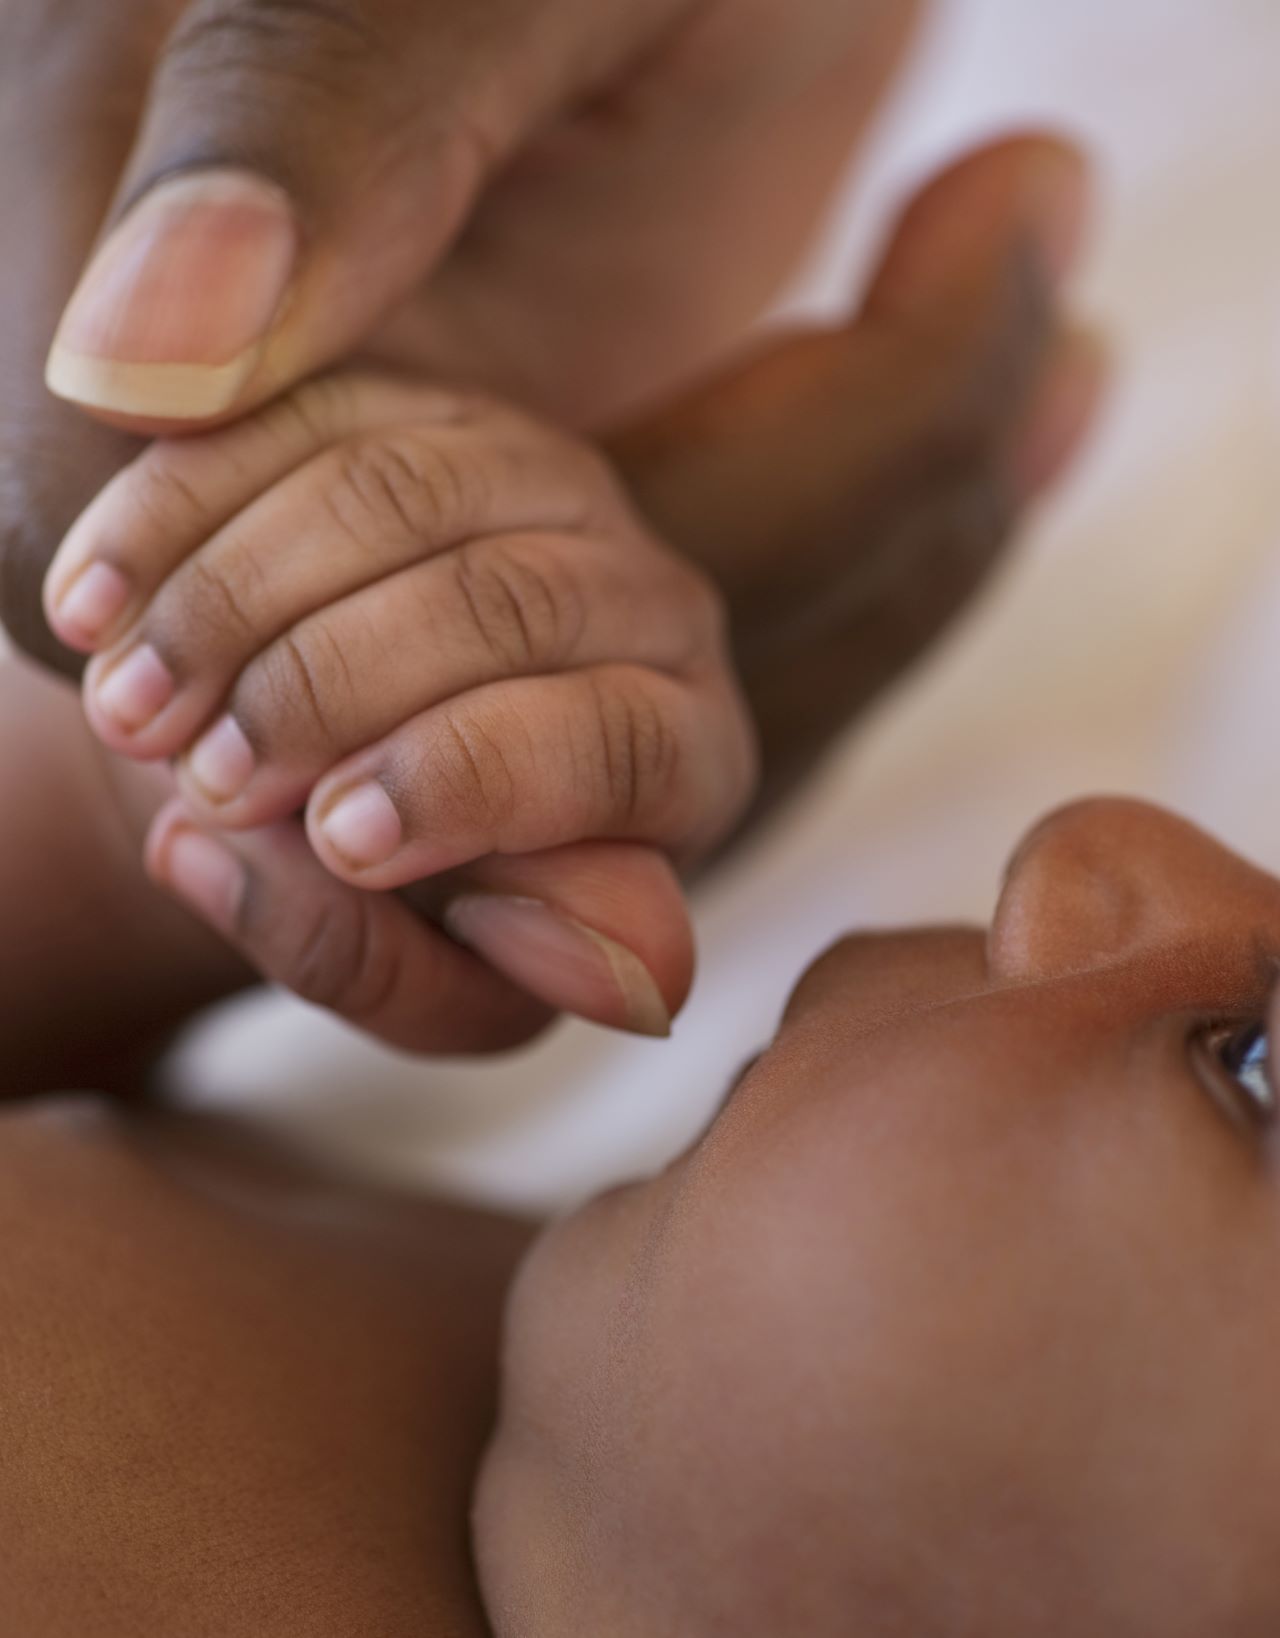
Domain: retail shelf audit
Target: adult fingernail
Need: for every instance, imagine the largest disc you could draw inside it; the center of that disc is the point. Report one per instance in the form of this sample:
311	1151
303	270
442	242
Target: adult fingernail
222	761
135	689
91	604
363	826
207	875
561	961
169	319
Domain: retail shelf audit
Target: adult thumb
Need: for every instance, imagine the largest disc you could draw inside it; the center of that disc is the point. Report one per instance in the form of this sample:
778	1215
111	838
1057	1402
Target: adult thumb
299	169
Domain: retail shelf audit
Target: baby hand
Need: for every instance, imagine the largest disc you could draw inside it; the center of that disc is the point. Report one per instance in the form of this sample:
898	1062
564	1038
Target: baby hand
435	622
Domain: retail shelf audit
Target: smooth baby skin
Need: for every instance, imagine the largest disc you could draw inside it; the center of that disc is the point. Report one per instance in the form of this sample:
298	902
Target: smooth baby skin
962	1317
240	1396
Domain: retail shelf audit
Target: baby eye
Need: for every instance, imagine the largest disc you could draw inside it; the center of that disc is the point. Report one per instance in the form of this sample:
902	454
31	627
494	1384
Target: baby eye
1236	1059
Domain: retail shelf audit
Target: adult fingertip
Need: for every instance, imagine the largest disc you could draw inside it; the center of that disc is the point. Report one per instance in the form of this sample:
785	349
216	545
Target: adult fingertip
171	316
560	960
1058	196
1032	186
1063	408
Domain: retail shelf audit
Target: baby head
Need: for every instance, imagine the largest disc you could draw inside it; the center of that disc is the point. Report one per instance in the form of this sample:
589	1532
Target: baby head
964	1315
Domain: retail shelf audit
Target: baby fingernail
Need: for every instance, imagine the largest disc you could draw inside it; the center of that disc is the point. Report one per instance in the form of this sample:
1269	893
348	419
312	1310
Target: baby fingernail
363	826
169	318
136	689
560	960
222	761
92	603
207	875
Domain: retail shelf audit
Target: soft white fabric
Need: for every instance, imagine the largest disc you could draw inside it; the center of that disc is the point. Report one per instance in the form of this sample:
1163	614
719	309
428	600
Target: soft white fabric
1133	647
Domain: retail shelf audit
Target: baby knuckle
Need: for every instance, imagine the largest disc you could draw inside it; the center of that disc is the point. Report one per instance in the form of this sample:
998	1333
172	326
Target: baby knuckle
400	482
294	694
164	490
525	608
310	413
639	758
208	607
472	770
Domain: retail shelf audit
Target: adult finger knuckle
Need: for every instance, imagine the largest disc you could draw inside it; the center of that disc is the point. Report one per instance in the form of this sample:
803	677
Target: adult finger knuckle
523	604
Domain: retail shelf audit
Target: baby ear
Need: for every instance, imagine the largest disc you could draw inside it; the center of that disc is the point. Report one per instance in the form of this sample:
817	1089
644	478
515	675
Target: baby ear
849	489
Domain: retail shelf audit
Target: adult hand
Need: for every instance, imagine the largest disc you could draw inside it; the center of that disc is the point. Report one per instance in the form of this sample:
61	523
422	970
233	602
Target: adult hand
575	201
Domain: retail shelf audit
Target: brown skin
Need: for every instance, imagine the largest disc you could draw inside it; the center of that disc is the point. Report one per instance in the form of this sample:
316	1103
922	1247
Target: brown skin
241	1397
963	1311
96	967
175	1473
962	1316
534	196
907	442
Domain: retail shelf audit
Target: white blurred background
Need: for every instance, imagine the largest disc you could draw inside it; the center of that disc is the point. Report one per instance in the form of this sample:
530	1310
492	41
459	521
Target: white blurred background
1134	647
